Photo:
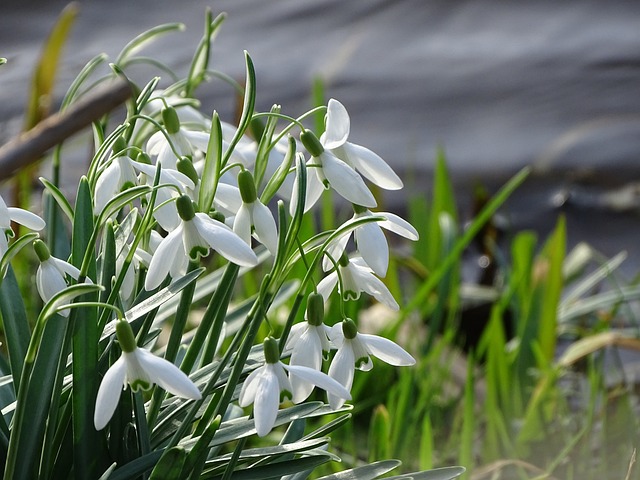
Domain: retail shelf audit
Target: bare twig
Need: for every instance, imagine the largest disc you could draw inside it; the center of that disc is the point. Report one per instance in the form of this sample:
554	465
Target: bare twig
31	145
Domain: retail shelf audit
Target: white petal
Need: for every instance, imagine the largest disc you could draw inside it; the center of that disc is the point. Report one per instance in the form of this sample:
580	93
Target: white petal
307	353
156	143
372	166
66	267
386	350
225	241
332	386
296	331
372	285
338	125
161	262
398	225
341	370
346	181
228	198
106	186
335	250
327	284
109	394
26	218
167	375
265	227
242	224
250	387
5	218
283	380
49	281
265	405
314	191
373	247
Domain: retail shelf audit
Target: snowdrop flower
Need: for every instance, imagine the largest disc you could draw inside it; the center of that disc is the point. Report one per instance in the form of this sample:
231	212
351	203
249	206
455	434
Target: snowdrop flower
18	215
354	350
356	277
185	141
358	157
184	179
308	342
118	176
268	384
50	276
194	237
325	169
140	369
370	240
253	216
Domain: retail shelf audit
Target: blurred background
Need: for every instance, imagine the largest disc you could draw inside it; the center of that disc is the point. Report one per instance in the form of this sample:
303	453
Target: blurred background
497	85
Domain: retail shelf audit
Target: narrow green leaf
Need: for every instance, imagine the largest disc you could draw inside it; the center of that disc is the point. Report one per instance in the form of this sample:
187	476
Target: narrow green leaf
275	182
170	465
59	197
200	62
15	324
144	39
13	249
212	165
366	472
379	434
84	322
446	473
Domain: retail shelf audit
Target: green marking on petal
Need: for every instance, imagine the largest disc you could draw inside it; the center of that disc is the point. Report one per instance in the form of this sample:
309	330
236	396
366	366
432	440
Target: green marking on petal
285	395
197	252
140	385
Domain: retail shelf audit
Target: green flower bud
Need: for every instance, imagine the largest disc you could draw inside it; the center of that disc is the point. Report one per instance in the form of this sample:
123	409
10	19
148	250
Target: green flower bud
349	329
315	309
271	350
125	336
185	166
143	158
119	145
311	143
185	208
41	250
247	187
170	120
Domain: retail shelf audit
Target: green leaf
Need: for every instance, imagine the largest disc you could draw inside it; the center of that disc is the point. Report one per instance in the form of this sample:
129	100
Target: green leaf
15	324
275	182
212	165
200	62
144	39
169	467
13	249
84	323
446	473
247	108
366	472
59	197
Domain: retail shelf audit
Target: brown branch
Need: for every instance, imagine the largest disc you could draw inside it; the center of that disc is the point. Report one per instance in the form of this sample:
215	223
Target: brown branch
31	145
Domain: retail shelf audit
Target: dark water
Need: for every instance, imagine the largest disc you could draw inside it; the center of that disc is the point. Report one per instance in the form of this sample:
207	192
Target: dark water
499	85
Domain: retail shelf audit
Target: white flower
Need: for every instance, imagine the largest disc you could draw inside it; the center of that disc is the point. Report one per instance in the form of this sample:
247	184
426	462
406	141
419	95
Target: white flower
165	211
50	276
354	350
116	177
357	277
362	159
196	234
307	343
140	369
18	215
253	216
265	385
370	240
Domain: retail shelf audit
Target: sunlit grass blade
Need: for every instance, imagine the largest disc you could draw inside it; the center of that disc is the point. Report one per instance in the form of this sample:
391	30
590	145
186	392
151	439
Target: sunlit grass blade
366	472
144	39
200	62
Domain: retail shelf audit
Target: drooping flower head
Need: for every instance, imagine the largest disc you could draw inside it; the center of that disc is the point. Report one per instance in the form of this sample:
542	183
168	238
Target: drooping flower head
140	369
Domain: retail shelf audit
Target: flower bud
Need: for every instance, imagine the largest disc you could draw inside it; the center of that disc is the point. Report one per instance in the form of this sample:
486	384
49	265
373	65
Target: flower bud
271	350
119	146
185	208
185	166
315	309
143	158
311	143
125	336
170	120
247	187
349	329
41	250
